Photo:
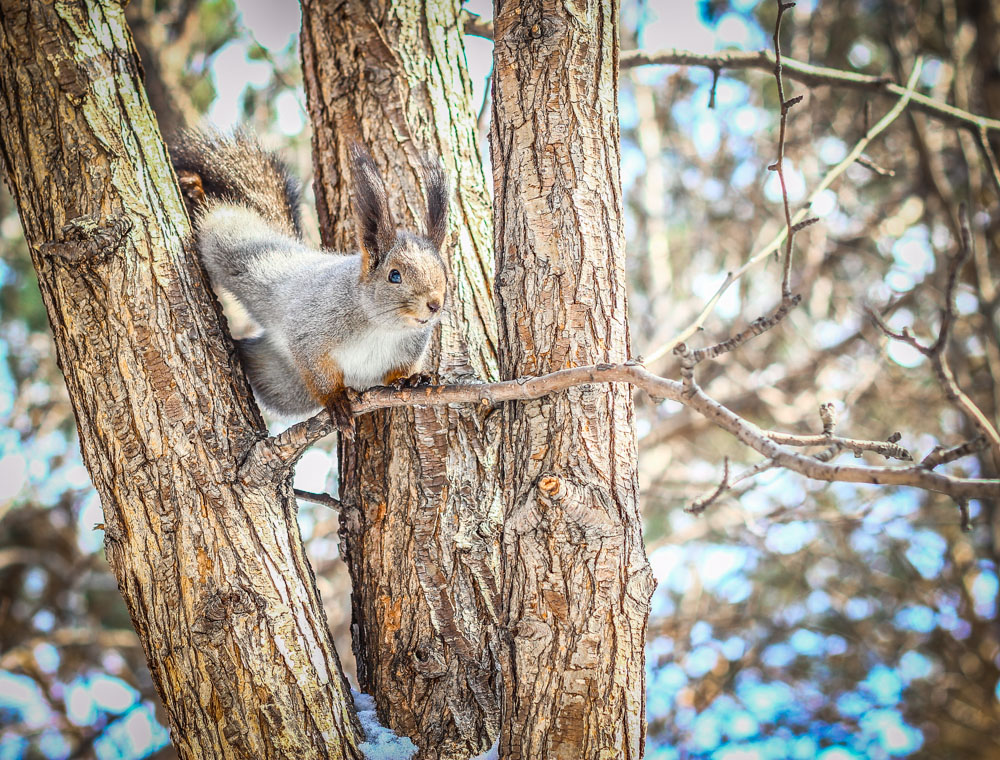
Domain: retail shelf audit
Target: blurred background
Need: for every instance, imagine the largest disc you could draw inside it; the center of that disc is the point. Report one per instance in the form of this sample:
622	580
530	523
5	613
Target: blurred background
792	619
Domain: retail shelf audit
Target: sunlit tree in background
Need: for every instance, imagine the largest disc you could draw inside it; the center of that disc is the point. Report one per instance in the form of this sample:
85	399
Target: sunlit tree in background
792	618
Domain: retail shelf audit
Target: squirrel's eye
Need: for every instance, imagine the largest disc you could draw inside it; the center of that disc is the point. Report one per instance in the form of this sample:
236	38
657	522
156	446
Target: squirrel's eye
395	276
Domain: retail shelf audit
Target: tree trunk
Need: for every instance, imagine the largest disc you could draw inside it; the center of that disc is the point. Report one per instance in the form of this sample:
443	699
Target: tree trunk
420	517
576	583
210	563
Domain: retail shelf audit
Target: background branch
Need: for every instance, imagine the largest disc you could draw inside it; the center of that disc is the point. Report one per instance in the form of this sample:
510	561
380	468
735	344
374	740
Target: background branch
813	76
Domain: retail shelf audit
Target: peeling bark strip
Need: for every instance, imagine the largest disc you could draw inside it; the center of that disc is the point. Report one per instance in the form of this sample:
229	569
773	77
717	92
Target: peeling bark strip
420	509
213	572
576	583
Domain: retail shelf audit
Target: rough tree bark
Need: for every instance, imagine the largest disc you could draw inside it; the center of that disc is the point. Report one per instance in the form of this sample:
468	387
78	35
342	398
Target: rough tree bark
420	516
210	565
576	583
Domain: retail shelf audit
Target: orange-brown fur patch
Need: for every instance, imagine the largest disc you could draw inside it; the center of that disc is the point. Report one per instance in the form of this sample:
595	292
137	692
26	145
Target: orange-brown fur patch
324	382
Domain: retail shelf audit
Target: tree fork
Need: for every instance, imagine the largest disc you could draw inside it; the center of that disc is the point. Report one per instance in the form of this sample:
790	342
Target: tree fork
212	571
420	509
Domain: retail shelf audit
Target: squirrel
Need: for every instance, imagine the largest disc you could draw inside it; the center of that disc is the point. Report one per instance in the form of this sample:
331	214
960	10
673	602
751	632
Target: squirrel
331	323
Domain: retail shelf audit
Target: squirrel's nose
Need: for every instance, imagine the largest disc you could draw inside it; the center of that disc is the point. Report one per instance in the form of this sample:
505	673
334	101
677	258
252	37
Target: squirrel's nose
434	306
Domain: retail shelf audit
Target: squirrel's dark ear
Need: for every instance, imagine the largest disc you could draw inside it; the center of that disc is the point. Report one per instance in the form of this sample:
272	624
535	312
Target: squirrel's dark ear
375	227
437	204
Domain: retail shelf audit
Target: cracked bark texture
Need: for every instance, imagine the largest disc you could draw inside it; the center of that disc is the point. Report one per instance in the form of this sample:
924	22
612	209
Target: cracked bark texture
212	571
421	510
575	579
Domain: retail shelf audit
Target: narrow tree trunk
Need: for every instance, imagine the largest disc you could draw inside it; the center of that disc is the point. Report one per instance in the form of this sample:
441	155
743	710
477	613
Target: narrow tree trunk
421	513
576	583
210	564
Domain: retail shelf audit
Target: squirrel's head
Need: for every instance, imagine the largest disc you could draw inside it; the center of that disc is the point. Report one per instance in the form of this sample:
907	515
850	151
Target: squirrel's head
404	274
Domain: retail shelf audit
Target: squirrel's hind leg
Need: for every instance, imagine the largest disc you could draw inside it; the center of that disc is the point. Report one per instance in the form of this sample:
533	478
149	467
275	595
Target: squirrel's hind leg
274	378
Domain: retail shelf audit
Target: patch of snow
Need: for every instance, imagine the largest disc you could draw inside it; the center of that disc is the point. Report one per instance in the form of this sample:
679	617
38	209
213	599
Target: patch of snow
380	743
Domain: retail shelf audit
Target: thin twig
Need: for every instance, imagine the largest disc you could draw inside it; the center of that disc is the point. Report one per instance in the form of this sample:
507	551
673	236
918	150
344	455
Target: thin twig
963	510
483	119
757	327
757	469
884	448
866	162
319	498
779	165
698	505
942	455
701	504
983	141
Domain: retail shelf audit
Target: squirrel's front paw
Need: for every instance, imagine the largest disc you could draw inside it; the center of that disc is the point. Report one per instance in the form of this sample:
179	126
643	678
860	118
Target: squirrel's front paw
339	407
413	381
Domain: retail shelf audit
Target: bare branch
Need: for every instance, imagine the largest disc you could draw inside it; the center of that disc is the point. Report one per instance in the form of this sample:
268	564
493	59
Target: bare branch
884	448
318	498
287	446
943	455
757	327
483	119
806	73
726	485
779	165
983	141
963	510
866	162
757	469
270	459
700	505
813	76
473	25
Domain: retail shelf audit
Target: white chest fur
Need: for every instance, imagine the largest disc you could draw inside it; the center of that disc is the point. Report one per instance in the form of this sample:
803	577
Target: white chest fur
366	361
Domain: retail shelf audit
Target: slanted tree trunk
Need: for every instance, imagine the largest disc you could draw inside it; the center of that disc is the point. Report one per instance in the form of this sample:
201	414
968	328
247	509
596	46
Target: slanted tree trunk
208	558
420	516
576	583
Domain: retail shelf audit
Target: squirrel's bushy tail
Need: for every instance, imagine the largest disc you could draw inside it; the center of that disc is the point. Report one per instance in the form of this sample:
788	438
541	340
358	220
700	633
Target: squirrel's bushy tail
214	166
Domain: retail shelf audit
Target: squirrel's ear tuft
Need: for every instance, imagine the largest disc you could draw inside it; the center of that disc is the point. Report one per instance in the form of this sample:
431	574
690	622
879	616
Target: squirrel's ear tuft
376	229
436	182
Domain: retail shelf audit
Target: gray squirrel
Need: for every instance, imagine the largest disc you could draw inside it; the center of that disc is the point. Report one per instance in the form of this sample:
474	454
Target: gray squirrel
330	322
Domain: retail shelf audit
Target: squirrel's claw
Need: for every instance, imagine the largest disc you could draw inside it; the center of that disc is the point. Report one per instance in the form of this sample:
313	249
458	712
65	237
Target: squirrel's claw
339	408
413	381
